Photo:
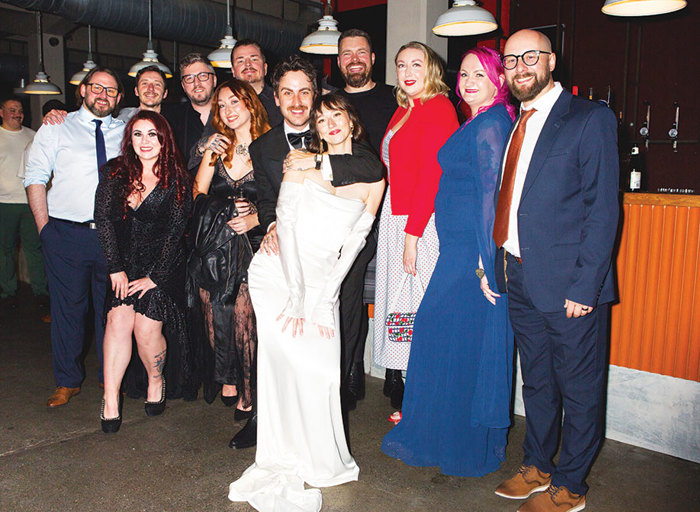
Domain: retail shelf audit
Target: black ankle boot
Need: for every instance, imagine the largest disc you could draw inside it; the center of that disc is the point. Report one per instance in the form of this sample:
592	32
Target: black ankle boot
393	386
247	437
111	425
156	408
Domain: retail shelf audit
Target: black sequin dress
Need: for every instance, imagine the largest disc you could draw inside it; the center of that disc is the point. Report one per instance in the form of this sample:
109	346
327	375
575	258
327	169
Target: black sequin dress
148	241
225	350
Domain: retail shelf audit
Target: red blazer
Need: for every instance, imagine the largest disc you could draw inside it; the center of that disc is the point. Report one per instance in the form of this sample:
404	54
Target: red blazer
414	172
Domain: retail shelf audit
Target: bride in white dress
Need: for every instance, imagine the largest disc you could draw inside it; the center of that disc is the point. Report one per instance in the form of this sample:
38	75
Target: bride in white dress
320	231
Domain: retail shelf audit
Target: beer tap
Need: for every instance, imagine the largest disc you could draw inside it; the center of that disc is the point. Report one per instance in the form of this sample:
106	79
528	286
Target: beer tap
673	132
644	130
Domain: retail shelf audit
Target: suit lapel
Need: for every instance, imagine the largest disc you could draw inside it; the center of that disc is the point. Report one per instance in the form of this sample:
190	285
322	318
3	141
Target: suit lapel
550	130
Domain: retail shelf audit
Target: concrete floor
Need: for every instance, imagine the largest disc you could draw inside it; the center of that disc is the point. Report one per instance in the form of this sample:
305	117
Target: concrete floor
59	460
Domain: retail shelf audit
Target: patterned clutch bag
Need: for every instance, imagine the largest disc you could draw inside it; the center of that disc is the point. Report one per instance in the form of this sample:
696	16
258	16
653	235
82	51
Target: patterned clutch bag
400	327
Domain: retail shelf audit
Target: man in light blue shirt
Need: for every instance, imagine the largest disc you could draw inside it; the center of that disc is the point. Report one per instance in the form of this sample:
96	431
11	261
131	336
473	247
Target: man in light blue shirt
71	153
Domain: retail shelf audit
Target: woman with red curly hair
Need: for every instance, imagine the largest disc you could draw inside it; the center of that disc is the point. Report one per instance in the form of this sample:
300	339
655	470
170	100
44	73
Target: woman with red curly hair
141	209
225	234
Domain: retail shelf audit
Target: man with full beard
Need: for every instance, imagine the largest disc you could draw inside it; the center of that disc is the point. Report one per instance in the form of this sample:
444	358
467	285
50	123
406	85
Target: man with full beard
555	225
75	266
375	104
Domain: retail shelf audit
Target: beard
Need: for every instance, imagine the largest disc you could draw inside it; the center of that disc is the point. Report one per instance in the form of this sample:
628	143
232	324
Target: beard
202	97
523	94
357	79
99	110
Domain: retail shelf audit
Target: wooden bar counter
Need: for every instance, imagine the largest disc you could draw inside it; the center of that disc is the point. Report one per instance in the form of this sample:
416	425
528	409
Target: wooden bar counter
655	327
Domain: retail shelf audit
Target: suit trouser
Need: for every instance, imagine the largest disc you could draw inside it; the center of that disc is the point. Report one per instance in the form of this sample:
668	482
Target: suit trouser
76	269
563	362
354	323
17	219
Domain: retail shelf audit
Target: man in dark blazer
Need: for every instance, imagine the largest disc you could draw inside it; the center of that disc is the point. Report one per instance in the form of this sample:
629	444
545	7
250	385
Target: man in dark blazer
295	86
556	220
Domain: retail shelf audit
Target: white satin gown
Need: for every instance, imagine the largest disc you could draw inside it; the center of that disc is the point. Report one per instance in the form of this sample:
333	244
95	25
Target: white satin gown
301	437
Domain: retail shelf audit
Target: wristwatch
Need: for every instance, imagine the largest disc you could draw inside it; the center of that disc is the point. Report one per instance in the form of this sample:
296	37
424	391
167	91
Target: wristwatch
318	159
480	273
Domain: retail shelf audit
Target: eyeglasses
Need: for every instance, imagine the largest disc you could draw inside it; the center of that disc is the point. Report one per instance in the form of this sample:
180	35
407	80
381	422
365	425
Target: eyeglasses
202	77
530	58
112	92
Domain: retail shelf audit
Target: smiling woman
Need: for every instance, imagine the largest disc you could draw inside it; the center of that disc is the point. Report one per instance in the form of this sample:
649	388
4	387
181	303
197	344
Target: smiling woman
225	195
141	207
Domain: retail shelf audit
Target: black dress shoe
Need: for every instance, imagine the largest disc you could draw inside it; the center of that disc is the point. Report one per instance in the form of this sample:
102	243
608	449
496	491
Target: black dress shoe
229	401
111	425
356	381
247	437
156	408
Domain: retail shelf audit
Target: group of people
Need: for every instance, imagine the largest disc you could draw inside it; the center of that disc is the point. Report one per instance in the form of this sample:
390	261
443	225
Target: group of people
245	275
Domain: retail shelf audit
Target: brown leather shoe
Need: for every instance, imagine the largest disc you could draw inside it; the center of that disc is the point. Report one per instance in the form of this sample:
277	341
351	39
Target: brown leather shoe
61	396
556	499
527	480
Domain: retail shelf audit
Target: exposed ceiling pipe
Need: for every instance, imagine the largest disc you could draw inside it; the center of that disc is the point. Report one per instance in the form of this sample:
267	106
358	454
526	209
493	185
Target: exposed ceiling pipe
192	21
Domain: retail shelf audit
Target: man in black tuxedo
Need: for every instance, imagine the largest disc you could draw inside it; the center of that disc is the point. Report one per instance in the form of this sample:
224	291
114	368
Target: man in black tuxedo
295	86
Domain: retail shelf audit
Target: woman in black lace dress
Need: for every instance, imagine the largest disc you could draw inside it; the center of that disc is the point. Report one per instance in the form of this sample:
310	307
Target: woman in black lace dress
141	209
225	233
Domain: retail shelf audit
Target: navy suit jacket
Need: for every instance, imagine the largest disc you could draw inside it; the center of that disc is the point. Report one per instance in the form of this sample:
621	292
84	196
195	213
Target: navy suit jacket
568	212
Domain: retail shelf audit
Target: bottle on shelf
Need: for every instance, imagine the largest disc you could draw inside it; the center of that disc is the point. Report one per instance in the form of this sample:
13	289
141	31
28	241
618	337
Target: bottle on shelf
636	175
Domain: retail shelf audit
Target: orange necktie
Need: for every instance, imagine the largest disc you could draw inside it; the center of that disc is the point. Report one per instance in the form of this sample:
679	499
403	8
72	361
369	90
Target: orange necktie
505	197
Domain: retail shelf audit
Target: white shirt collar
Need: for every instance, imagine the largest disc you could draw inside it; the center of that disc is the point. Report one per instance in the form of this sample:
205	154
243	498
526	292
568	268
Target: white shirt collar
289	129
547	101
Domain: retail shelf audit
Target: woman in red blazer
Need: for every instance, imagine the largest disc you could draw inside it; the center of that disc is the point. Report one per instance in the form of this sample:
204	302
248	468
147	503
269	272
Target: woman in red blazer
408	244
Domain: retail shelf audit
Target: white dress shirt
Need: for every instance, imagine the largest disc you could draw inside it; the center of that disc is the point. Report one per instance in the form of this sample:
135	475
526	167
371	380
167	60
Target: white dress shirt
68	152
532	134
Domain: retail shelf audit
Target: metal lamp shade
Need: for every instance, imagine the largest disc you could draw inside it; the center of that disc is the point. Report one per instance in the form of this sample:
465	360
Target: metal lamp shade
642	7
325	40
465	18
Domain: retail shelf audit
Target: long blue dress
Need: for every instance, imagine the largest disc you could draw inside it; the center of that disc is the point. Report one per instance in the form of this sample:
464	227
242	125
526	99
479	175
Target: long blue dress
456	408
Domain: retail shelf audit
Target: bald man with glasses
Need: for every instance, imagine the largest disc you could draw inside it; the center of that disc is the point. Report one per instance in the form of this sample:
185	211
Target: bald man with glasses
70	155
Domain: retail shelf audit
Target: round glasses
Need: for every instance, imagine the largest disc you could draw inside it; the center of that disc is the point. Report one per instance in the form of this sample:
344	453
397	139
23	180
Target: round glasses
530	58
202	77
112	92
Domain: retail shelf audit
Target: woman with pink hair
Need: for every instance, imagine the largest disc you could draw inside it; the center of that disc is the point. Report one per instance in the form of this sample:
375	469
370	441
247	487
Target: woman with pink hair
456	408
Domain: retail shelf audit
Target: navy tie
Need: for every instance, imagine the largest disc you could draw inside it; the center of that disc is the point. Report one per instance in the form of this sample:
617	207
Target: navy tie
99	144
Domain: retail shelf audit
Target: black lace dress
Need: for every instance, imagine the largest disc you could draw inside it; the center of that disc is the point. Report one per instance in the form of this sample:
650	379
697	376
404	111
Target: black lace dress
144	242
227	341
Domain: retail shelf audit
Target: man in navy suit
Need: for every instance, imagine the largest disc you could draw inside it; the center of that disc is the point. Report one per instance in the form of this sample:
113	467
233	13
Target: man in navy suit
556	220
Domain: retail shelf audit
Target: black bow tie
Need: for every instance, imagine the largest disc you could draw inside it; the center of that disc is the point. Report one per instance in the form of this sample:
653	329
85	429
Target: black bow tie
295	139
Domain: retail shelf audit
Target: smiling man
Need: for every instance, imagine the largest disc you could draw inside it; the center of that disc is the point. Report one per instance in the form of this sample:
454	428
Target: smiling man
70	155
556	221
16	221
294	81
151	90
248	64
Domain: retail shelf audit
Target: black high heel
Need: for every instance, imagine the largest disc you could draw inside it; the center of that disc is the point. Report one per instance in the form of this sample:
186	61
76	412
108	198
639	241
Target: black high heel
111	425
240	415
156	408
229	401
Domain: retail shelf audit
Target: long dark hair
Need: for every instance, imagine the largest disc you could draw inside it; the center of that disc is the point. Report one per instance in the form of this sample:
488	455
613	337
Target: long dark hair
333	101
169	167
259	123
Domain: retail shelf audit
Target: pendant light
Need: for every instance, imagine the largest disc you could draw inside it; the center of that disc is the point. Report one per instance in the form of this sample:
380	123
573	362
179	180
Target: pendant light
325	40
87	65
642	7
150	58
465	18
221	57
41	84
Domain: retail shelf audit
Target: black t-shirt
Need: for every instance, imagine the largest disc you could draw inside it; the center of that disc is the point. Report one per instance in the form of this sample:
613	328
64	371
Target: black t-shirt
375	108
